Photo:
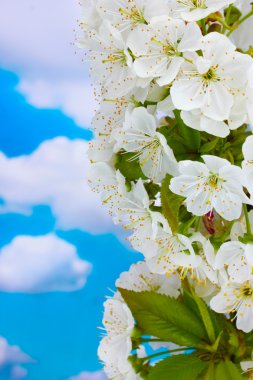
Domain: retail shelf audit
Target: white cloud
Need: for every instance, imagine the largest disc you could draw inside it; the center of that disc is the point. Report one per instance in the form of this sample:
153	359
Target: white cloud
90	376
10	359
31	264
74	98
36	42
54	175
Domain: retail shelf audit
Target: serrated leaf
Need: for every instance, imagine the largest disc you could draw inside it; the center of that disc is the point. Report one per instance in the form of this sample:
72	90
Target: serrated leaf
179	367
218	322
228	371
164	317
171	204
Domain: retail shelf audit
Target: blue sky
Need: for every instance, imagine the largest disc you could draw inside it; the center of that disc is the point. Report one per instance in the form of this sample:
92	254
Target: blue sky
59	330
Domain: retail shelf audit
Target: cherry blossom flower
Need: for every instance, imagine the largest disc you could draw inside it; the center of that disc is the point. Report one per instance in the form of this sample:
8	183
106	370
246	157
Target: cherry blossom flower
116	372
126	15
193	10
209	82
140	279
119	324
238	259
134	212
109	60
161	54
140	136
103	180
247	164
236	298
215	184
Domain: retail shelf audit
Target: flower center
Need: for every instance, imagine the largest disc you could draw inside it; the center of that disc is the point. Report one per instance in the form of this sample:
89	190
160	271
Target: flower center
210	75
213	181
135	15
117	56
247	291
168	48
193	4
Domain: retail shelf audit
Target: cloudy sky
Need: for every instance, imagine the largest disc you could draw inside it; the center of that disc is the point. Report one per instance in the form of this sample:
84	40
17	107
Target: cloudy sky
60	253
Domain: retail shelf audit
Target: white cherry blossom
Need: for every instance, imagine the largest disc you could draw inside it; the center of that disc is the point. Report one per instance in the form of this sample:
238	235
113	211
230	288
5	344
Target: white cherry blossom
197	120
204	270
239	228
140	279
242	36
126	15
247	164
172	252
188	256
110	184
215	184
210	82
108	118
119	372
160	54
119	324
140	136
236	298
193	10
154	63
134	212
238	116
109	60
90	18
237	258
250	96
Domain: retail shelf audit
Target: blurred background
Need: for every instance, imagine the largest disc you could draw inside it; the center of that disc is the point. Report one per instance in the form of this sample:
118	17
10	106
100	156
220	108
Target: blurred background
60	253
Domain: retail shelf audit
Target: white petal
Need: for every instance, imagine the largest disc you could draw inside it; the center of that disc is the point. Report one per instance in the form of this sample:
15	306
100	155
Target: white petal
187	94
171	72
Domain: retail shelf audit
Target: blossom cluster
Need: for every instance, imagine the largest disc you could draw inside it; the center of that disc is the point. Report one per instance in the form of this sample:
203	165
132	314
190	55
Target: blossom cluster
173	152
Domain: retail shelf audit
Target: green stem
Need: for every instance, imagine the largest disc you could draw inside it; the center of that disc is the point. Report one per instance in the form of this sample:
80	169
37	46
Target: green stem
225	25
240	22
198	223
186	227
150	340
182	349
203	26
249	232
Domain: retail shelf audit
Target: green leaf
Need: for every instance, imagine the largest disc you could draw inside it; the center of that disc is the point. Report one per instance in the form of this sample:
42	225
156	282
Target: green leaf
233	16
128	167
228	371
164	317
209	146
217	324
191	136
206	318
171	204
209	375
178	367
152	189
